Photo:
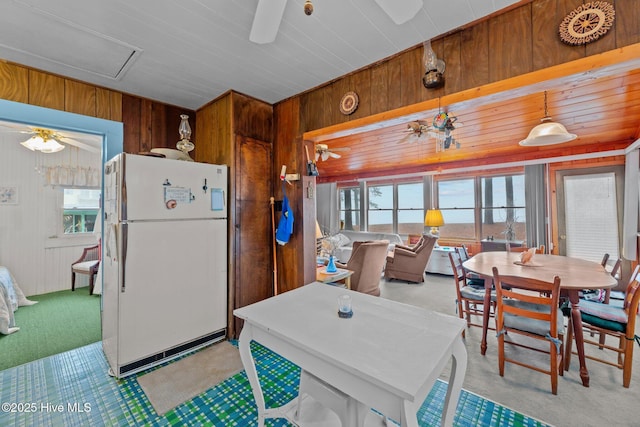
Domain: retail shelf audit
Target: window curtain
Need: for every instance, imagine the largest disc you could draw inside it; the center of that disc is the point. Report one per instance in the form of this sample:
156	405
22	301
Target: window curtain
535	196
71	176
630	220
327	207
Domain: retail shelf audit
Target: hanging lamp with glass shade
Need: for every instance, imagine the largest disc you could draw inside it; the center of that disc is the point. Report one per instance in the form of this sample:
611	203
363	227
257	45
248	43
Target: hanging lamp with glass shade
547	132
43	141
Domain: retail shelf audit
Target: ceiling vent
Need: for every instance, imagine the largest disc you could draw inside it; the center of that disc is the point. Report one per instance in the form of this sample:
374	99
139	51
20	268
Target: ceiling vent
93	52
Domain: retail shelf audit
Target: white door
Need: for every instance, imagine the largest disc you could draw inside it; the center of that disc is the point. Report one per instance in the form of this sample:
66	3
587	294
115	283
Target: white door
175	285
589	210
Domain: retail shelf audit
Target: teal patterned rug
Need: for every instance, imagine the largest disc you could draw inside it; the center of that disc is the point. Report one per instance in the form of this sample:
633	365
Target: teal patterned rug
74	389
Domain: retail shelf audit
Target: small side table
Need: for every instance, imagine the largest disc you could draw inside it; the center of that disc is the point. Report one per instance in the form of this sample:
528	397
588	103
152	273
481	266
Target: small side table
341	274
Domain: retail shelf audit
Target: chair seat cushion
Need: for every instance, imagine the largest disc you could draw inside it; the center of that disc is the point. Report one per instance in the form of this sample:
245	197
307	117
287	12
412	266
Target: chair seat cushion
475	282
604	315
534	326
472	292
84	267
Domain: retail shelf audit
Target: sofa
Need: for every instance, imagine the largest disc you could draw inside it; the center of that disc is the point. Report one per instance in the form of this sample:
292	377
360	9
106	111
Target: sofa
344	242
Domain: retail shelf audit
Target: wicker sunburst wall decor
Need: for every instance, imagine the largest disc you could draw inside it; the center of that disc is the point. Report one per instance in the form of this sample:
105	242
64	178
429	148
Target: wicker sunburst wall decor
587	23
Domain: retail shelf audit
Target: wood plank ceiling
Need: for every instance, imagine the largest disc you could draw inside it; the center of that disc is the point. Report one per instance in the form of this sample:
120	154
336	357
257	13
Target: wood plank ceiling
602	108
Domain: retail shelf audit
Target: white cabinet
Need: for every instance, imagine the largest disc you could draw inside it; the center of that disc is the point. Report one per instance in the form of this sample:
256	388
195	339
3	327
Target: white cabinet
439	261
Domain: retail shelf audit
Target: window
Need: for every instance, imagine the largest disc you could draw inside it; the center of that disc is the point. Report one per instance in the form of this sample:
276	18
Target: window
80	210
350	208
482	206
456	200
410	208
380	212
503	207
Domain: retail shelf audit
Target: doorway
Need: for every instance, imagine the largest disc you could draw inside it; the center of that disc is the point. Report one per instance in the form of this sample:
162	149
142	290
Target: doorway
111	135
590	207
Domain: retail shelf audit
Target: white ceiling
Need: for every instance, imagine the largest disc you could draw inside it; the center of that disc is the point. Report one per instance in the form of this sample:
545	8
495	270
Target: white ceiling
188	52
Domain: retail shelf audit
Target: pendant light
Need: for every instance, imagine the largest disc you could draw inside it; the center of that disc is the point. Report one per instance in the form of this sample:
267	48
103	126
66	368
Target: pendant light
547	132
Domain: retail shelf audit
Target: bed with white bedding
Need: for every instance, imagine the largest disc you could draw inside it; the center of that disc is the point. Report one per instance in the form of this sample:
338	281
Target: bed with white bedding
11	297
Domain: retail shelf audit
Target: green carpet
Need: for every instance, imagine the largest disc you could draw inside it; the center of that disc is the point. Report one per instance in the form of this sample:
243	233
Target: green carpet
61	321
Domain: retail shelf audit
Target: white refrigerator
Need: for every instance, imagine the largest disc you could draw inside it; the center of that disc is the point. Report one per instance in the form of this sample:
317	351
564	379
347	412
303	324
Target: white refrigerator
164	260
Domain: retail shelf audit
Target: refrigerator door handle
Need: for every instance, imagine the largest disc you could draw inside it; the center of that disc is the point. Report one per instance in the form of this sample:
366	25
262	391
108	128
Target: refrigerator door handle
123	255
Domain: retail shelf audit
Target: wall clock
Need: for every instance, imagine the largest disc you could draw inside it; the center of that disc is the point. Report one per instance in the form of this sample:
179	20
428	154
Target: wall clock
349	103
587	23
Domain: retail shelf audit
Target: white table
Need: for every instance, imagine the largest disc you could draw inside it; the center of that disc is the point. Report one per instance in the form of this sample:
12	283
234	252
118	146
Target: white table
387	356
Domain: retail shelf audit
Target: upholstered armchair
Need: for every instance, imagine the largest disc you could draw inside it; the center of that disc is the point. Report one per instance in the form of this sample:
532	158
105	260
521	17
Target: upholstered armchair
409	263
367	263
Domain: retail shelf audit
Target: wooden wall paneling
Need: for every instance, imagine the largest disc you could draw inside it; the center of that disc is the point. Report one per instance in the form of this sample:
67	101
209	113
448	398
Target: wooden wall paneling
164	128
46	90
511	40
314	113
103	103
309	234
411	70
548	49
213	127
115	99
452	57
361	82
474	56
627	22
14	82
79	98
379	88
394	84
252	118
289	151
131	112
146	125
338	89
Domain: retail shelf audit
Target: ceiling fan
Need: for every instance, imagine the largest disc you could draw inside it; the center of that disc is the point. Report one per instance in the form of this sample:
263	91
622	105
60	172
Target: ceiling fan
324	153
269	14
441	128
50	141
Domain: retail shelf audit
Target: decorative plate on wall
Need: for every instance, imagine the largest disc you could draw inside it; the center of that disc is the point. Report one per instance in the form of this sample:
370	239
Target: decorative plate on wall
587	23
349	103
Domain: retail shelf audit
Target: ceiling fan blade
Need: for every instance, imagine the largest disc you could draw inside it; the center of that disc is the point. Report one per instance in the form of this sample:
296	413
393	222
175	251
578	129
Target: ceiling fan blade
325	156
341	149
317	156
266	21
400	11
334	155
79	144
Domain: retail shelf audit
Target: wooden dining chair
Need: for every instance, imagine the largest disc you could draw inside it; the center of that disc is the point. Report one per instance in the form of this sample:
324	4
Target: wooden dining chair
617	322
539	250
469	299
473	279
529	307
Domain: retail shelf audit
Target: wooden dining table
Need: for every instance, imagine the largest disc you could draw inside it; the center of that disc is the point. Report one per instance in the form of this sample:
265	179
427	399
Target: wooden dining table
575	275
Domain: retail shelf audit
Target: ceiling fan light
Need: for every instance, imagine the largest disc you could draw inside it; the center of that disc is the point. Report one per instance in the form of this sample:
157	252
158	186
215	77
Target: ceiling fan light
547	133
37	143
